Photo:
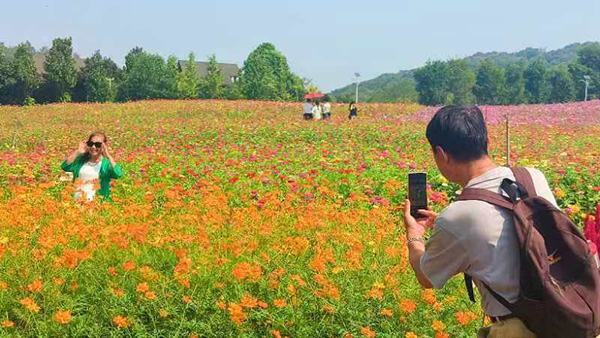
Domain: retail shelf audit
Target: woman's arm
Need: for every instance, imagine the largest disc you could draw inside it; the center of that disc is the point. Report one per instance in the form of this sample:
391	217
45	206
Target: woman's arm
73	155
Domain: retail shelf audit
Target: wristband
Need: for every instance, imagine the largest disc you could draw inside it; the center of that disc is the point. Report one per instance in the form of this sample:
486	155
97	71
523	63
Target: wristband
415	239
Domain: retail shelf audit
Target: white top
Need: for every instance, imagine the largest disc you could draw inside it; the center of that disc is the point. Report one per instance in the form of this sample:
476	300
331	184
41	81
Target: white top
326	107
316	112
307	108
479	238
89	174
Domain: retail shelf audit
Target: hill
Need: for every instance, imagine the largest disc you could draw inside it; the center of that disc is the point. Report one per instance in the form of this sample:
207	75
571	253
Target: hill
393	87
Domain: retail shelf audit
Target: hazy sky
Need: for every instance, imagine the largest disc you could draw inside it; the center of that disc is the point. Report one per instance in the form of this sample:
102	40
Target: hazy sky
326	40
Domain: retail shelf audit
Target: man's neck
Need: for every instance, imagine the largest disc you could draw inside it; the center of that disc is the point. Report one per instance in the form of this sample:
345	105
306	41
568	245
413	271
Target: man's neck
475	169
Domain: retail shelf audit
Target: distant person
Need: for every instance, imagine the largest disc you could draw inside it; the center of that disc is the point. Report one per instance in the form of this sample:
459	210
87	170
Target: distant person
307	110
93	167
326	109
353	111
317	111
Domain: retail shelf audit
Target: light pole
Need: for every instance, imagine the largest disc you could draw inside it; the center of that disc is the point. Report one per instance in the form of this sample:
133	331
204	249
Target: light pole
586	80
357	77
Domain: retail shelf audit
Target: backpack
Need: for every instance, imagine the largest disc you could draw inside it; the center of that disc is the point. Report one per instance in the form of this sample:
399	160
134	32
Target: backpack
559	280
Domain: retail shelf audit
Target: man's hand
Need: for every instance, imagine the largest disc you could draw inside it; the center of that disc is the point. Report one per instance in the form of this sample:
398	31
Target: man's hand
414	227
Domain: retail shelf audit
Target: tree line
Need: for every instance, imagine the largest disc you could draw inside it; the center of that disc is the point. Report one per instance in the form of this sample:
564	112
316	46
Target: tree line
455	82
265	75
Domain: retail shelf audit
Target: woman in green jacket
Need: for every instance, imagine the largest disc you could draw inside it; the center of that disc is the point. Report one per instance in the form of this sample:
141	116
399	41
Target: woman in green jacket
91	163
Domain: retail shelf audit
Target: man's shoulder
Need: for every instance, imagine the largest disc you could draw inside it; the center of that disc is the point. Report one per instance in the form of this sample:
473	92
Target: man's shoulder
463	214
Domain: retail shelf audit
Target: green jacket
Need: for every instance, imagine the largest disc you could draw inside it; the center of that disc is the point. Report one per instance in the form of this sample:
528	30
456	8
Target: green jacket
107	172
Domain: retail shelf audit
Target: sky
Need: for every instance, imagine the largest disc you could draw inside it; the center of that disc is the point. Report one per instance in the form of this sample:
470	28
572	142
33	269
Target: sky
326	41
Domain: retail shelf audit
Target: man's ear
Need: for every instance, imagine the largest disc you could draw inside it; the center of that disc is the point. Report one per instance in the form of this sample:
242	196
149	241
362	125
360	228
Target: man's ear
439	151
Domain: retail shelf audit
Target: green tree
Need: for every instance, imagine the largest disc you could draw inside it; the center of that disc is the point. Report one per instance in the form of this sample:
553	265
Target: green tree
24	78
99	79
536	81
144	76
169	79
211	86
7	79
461	80
233	92
432	83
489	86
267	76
188	79
589	58
562	88
61	74
578	71
515	84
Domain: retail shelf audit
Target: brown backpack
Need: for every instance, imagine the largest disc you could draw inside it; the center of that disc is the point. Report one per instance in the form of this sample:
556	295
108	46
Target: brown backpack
559	282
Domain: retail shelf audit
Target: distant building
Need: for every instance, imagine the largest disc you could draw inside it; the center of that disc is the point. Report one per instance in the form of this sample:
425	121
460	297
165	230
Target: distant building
229	71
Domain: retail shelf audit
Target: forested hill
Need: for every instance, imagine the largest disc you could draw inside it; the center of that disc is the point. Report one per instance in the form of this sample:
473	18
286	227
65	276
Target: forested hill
392	87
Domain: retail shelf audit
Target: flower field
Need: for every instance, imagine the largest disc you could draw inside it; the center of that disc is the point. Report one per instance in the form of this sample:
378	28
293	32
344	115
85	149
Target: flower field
239	219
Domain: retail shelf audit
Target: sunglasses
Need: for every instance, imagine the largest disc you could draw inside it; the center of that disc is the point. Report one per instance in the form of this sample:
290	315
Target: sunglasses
96	144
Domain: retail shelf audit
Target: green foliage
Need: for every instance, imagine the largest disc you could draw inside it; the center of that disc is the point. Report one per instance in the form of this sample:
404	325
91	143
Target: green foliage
536	81
188	80
211	86
562	88
515	84
233	92
266	76
578	71
432	83
147	76
61	74
100	79
19	77
460	82
489	86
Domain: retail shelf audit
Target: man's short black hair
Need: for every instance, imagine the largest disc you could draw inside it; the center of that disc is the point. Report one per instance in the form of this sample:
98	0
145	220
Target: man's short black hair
460	131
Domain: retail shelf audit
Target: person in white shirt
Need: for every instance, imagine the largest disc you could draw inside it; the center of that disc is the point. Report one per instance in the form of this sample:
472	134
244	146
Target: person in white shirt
307	110
317	111
326	109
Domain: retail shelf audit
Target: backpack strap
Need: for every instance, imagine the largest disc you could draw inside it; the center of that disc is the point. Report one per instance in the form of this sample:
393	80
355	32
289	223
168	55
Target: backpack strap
523	176
485	196
500	299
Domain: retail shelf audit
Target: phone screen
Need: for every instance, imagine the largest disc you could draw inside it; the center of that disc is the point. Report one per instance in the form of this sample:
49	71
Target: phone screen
417	193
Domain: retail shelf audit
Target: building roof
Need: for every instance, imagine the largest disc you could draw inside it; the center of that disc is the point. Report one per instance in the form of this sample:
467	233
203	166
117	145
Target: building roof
228	70
39	59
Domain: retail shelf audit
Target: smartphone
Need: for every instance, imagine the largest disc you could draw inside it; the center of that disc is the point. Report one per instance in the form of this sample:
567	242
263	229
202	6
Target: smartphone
417	193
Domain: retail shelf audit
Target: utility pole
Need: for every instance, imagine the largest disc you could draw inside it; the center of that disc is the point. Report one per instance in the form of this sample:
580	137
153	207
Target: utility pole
357	76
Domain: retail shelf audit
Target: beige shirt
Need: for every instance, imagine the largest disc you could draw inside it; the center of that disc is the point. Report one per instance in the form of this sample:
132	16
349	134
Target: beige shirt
478	238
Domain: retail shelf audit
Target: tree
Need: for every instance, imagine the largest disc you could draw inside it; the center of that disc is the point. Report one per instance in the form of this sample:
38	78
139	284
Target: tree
61	74
578	73
7	79
169	79
562	88
188	79
460	81
515	84
536	81
432	82
144	76
22	77
589	58
99	79
489	86
267	76
211	86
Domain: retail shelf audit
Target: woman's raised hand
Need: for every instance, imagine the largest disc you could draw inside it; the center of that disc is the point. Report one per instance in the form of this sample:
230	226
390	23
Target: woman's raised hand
82	148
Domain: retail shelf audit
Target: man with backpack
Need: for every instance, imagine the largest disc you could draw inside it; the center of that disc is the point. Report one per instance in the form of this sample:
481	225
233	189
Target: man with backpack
530	264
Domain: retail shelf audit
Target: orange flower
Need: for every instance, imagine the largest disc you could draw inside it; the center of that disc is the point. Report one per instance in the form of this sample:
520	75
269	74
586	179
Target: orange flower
128	266
63	317
428	295
464	318
142	287
58	281
3	285
36	286
112	271
249	301
121	322
118	292
276	334
367	332
280	303
8	324
411	335
328	308
221	305
386	313
186	299
29	304
150	295
236	312
163	313
438	325
441	334
408	305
